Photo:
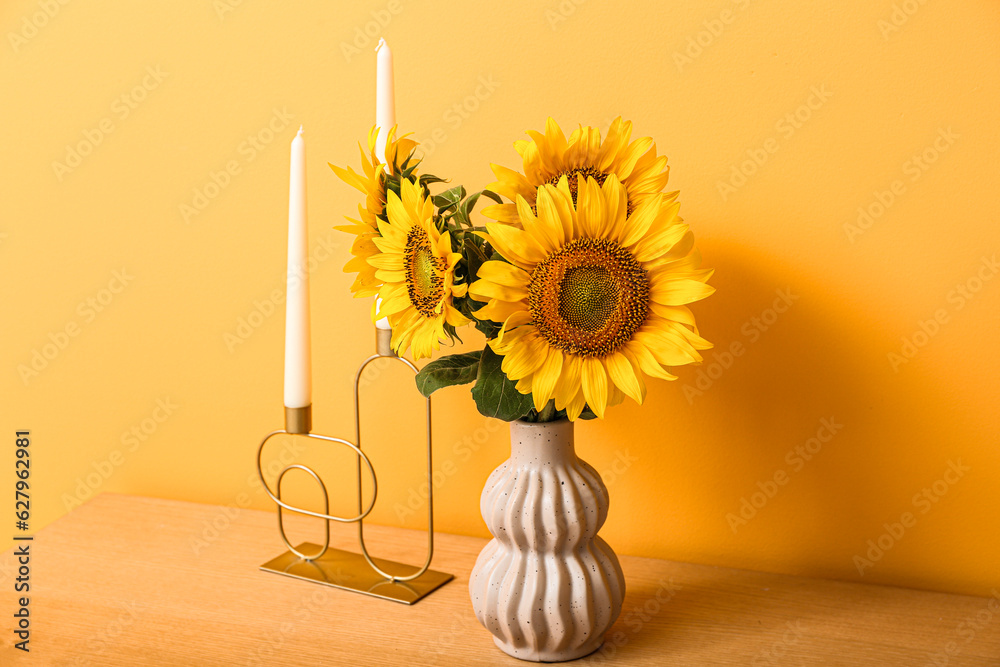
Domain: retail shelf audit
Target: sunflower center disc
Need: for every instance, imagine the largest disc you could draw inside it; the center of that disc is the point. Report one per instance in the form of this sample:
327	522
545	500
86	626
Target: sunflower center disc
425	273
589	297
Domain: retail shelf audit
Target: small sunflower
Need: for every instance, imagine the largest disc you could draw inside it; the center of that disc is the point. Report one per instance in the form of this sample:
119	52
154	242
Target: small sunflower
416	265
372	183
549	157
591	298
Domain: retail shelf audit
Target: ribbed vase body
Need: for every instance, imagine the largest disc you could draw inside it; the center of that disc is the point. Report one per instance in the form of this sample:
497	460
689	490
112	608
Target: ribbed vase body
546	585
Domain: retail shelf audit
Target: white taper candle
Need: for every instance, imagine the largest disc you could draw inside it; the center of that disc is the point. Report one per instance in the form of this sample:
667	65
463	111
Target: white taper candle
298	373
385	114
385	96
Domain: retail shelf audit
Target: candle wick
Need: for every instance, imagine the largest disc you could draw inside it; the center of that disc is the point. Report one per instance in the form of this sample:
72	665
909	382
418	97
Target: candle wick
381	43
300	131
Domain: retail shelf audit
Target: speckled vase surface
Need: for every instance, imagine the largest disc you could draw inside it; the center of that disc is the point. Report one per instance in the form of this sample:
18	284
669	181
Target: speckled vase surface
546	585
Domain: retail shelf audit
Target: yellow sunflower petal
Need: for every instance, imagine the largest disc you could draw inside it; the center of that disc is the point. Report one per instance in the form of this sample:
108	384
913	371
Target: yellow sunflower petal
510	183
503	273
391	261
515	320
515	245
595	385
365	285
679	292
590	209
502	213
681	248
397	212
531	162
525	211
668	349
623	375
554	136
569	381
647	362
548	157
614	143
688	334
385	275
562	199
659	246
575	406
681	314
498	311
639	224
525	358
507	342
650	173
548	226
544	380
626	162
487	289
453	317
351	177
616	205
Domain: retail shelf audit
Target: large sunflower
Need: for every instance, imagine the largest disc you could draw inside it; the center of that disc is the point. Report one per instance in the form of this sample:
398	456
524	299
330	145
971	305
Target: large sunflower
372	183
592	299
416	265
549	157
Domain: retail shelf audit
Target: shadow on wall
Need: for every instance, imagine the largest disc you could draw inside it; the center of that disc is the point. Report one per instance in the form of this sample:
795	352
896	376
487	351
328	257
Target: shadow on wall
796	441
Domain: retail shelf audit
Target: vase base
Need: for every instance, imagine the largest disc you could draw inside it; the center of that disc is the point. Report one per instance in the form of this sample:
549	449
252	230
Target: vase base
531	655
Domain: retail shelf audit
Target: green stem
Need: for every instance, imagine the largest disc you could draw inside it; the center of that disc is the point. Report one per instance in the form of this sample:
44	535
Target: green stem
548	412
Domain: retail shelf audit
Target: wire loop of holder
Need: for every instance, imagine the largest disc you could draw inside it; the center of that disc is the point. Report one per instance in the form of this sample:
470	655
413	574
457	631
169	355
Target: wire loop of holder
430	472
391	586
326	510
276	497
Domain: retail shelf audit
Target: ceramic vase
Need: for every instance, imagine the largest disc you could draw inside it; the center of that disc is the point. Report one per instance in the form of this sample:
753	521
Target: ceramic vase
546	586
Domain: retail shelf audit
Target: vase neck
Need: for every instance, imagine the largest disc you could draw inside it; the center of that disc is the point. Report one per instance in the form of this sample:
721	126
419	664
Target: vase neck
542	443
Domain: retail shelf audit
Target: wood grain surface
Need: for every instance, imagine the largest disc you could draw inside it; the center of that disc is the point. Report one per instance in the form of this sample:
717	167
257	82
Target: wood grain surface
126	580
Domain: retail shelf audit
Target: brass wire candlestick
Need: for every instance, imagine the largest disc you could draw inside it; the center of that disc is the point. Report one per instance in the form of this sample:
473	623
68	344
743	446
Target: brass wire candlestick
358	572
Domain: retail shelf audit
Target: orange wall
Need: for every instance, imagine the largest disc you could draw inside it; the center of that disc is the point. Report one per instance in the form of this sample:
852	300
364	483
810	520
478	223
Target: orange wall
783	123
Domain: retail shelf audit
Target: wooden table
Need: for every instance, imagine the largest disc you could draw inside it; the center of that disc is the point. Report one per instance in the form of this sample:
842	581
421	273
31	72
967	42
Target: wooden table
126	580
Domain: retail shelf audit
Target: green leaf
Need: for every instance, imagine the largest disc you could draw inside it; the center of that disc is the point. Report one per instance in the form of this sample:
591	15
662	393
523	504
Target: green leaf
474	253
447	371
452	333
587	413
446	223
492	195
495	394
474	256
464	210
392	184
486	327
449	198
409	164
427	179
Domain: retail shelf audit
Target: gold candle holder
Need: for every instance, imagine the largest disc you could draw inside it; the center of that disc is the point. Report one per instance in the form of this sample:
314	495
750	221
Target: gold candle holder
348	570
298	420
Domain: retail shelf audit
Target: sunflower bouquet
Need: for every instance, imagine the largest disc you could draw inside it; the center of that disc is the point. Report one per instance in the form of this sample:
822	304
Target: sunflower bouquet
579	282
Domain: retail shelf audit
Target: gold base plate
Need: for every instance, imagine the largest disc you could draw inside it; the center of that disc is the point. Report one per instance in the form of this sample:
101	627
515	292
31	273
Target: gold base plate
350	571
